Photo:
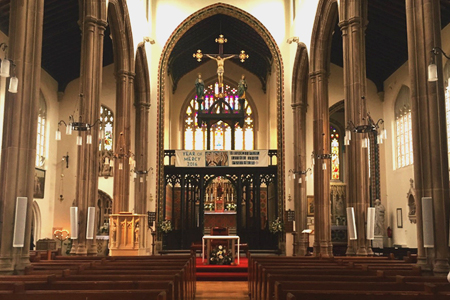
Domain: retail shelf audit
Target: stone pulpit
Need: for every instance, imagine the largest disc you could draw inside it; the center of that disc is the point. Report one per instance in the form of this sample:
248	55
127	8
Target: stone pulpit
127	234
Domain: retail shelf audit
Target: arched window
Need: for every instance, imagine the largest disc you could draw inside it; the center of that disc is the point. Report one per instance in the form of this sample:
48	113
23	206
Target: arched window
403	128
195	137
107	119
335	165
40	141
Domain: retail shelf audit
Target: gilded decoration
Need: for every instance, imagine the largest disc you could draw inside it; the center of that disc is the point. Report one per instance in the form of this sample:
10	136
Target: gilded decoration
219	8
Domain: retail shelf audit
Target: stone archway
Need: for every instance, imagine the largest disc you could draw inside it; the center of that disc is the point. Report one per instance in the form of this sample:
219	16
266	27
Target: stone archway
220	8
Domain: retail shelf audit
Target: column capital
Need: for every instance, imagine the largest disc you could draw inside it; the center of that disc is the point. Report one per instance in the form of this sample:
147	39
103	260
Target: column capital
125	73
298	105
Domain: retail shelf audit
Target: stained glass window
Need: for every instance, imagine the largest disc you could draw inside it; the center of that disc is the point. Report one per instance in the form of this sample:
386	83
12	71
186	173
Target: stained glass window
40	141
195	137
335	167
107	119
403	129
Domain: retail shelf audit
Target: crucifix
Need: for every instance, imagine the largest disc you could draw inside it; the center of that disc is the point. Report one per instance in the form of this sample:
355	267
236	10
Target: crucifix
220	58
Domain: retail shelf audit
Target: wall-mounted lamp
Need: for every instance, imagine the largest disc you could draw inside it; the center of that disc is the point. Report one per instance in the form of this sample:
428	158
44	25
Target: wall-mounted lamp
7	68
370	127
78	126
323	157
432	68
66	159
142	173
299	174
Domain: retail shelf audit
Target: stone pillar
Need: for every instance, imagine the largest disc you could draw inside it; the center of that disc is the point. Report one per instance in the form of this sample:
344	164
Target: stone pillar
429	129
141	144
20	128
124	89
321	124
353	21
93	25
300	197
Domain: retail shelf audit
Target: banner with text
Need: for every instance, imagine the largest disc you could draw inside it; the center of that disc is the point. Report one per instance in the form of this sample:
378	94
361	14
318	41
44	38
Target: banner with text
235	158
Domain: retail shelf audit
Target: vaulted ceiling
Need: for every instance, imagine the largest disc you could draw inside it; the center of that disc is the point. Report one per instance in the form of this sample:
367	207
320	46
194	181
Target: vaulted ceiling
202	36
386	41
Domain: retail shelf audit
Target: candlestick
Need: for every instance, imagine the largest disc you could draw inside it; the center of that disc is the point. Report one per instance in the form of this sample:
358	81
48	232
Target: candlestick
293	225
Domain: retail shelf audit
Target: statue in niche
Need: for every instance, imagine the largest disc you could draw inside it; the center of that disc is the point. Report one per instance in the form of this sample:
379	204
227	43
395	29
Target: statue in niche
379	217
200	87
242	87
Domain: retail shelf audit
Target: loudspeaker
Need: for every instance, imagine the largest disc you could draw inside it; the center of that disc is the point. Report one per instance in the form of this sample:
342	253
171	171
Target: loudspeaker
90	223
351	226
427	222
19	221
74	223
370	223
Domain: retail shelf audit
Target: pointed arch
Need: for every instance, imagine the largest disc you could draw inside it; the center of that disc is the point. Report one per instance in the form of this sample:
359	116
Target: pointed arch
189	22
36	221
324	23
122	37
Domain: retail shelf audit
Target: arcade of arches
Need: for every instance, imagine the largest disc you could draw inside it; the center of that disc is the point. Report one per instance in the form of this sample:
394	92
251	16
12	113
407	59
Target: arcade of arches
218	116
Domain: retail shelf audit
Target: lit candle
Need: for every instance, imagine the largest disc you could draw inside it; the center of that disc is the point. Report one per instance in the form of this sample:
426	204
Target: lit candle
227	197
232	197
293	225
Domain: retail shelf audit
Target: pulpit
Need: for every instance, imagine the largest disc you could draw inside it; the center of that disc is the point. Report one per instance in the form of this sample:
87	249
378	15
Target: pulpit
127	234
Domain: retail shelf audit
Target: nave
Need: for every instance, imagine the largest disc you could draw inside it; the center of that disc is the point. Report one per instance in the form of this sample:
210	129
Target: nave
221	290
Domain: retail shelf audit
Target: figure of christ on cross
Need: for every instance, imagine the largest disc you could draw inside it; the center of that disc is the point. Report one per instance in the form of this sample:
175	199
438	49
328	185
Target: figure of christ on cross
220	66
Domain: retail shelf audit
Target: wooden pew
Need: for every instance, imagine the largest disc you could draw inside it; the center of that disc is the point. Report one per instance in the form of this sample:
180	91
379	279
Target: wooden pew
282	288
85	294
360	295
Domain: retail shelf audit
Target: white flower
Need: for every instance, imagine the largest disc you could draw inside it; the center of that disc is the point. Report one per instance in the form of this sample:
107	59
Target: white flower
220	247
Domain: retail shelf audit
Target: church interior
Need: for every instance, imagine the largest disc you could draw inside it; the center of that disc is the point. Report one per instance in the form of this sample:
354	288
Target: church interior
302	128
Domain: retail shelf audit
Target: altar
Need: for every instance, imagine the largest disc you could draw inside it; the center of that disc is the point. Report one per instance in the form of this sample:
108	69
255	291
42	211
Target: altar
208	239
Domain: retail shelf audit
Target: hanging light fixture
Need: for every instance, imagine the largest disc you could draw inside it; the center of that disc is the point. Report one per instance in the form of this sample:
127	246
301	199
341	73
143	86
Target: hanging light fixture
369	127
7	67
79	126
432	67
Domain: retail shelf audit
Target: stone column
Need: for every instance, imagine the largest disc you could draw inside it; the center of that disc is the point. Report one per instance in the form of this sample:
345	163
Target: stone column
353	21
124	89
93	25
20	128
300	197
141	144
429	129
321	124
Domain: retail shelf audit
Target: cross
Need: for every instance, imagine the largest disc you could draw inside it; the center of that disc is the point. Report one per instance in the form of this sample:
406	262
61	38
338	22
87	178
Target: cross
220	57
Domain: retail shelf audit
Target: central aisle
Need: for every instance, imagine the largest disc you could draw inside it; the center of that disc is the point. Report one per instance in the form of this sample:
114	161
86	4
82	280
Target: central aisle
217	290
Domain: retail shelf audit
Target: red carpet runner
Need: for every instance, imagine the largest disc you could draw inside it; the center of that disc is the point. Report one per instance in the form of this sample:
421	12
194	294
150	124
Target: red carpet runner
222	273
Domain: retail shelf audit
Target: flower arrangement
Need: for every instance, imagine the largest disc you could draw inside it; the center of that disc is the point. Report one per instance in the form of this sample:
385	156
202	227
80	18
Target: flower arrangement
165	226
209	206
231	206
276	226
220	256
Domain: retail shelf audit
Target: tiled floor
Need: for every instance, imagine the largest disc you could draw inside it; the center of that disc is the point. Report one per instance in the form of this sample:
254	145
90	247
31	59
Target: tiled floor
221	290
